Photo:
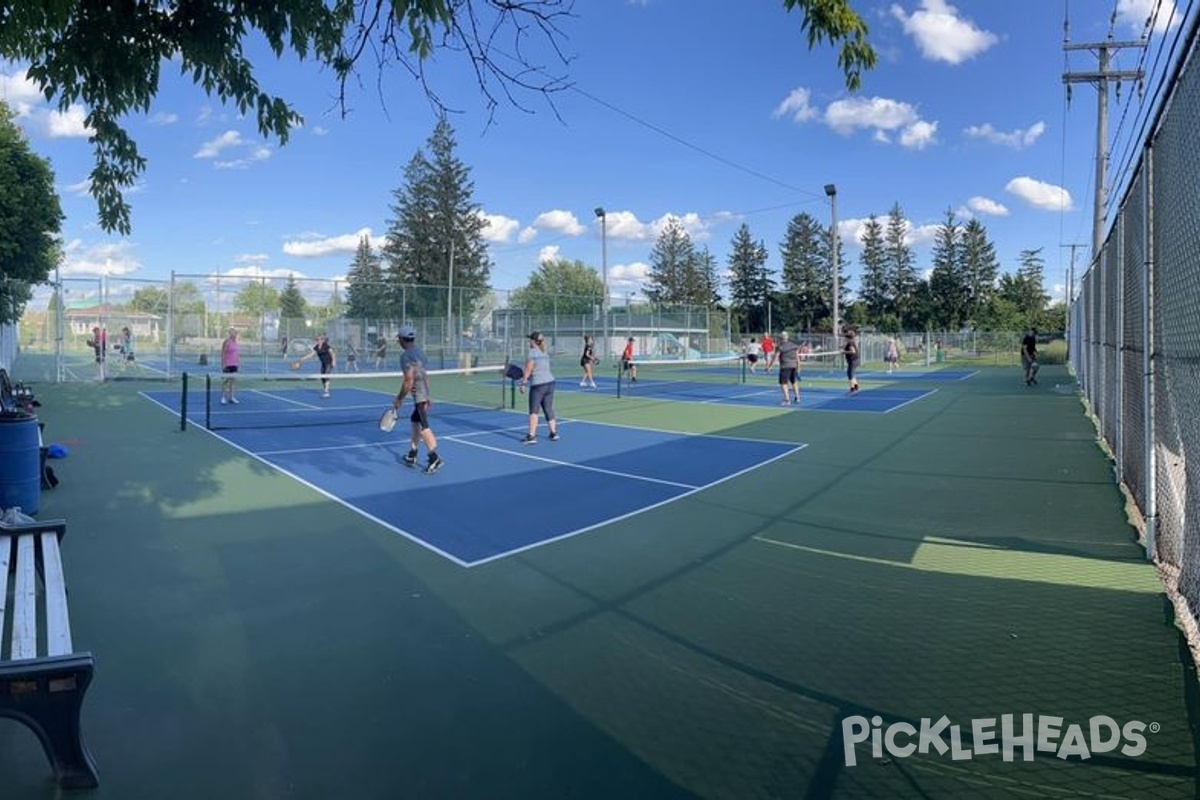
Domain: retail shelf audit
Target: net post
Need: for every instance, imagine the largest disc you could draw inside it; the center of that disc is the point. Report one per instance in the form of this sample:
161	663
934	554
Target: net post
743	363
183	398
208	400
620	378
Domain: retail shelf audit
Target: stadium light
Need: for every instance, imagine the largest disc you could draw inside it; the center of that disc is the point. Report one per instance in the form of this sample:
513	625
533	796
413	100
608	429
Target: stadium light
831	191
604	273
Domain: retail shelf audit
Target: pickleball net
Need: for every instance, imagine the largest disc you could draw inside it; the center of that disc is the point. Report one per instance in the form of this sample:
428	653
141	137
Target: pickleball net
353	398
709	378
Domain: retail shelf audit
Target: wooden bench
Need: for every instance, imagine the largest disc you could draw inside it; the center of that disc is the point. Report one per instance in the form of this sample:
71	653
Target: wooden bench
42	679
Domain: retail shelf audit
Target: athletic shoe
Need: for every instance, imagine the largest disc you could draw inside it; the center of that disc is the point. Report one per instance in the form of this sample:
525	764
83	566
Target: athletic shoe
224	401
433	466
529	440
554	437
324	394
410	460
233	400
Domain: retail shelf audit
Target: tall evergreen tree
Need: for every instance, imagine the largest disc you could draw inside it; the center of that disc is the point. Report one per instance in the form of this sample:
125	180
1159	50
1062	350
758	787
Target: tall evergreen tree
366	295
291	303
979	268
801	254
874	281
672	261
434	238
707	291
1031	271
901	268
946	282
750	283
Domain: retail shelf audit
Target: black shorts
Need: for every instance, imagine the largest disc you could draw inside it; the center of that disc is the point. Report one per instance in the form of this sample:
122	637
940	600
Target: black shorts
787	376
326	368
583	362
420	415
626	365
752	358
229	369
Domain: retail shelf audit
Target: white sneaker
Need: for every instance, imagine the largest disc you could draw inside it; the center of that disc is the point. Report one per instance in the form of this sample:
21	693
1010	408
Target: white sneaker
324	394
223	401
233	400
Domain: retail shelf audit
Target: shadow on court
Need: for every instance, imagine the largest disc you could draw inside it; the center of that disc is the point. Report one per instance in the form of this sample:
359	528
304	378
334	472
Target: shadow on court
965	556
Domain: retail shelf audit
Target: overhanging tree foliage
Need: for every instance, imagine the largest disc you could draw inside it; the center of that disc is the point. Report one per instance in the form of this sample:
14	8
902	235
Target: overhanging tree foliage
109	56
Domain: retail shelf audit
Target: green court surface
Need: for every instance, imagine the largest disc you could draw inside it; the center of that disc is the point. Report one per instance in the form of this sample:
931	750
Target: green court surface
965	556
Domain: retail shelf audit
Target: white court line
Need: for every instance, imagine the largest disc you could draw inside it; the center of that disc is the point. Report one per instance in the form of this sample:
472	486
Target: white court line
421	542
913	400
572	465
635	512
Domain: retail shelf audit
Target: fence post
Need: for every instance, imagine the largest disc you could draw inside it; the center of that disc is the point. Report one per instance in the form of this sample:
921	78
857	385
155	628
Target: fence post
1148	363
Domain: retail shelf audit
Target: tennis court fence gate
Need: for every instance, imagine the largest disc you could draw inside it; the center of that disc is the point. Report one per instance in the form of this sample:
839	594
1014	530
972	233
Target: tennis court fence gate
1134	342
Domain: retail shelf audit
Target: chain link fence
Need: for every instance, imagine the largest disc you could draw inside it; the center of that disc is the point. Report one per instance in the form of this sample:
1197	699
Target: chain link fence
1135	344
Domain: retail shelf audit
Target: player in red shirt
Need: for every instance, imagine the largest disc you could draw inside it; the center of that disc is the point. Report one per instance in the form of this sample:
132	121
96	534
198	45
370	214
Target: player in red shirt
768	347
627	364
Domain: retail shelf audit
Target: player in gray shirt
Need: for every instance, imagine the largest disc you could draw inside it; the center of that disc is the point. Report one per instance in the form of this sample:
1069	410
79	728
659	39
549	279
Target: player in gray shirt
787	353
416	383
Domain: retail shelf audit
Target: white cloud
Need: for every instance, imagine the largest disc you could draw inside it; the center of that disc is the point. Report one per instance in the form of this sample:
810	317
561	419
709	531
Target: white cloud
1136	13
919	135
560	222
796	105
319	131
624	225
499	228
81	189
260	153
941	35
623	278
1039	194
527	235
311	245
107	258
1017	139
550	252
885	117
18	91
213	147
984	205
692	223
163	118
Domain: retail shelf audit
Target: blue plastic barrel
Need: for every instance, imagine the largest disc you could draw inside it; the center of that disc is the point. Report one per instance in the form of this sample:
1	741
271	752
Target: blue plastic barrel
20	463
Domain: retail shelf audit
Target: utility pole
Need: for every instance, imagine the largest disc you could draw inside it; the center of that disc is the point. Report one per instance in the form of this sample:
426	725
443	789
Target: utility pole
1100	79
1068	295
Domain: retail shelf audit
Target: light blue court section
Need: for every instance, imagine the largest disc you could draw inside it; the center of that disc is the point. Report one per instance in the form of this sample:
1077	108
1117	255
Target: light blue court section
496	496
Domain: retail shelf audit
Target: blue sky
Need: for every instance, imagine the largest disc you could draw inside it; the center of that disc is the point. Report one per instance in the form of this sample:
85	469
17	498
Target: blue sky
682	108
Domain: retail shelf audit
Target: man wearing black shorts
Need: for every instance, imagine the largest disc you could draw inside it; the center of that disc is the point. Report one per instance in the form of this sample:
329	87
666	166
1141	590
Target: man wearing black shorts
850	350
416	383
787	353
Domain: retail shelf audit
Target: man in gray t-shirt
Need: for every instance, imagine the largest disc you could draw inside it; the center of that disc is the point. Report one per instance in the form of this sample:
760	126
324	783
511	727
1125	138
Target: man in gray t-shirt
787	353
416	383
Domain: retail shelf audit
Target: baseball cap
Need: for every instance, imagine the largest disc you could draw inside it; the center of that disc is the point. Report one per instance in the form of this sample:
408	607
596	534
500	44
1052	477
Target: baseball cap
406	332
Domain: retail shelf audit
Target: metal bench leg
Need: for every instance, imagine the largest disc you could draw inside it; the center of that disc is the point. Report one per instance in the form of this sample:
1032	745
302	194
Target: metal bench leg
47	696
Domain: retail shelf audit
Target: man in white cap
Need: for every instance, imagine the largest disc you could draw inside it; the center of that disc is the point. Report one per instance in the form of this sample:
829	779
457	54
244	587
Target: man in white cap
416	383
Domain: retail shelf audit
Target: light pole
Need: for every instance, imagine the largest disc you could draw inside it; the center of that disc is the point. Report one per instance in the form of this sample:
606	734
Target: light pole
831	190
450	298
604	275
